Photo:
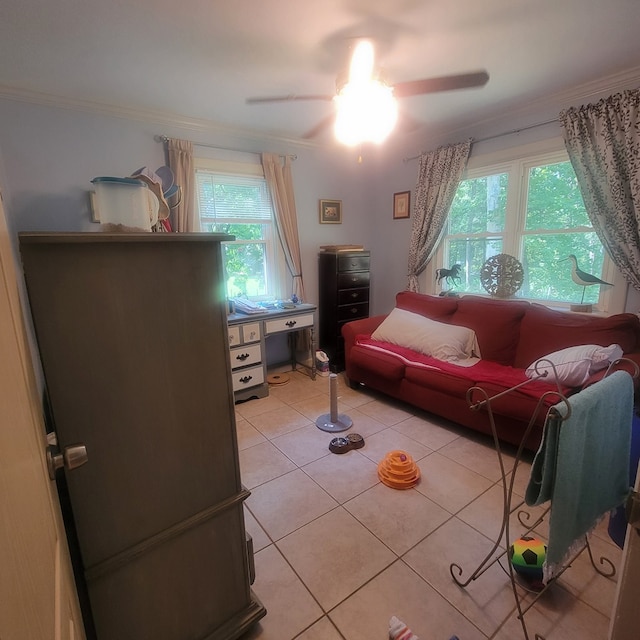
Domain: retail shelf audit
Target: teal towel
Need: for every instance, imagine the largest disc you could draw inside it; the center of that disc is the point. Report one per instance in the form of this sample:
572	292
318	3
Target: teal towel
582	464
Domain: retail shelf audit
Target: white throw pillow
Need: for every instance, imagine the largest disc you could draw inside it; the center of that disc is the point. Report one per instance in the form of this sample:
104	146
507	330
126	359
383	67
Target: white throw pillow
574	365
437	339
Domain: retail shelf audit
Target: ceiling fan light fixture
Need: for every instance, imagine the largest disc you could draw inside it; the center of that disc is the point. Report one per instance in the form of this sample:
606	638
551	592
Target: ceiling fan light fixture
366	104
366	112
361	67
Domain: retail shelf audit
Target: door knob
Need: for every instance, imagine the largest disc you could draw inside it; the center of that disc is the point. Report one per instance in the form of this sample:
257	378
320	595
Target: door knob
72	457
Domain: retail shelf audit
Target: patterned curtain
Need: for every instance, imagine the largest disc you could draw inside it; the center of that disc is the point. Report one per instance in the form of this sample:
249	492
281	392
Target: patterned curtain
603	141
438	178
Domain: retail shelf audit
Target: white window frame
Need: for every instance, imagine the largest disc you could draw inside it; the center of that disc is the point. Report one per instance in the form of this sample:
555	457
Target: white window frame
516	162
274	256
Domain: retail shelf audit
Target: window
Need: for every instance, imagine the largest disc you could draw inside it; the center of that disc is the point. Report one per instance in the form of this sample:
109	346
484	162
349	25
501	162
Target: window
531	209
240	205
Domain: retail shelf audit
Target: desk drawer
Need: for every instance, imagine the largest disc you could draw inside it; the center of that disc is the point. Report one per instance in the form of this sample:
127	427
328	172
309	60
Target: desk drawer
288	324
245	355
234	335
353	280
353	312
247	378
251	332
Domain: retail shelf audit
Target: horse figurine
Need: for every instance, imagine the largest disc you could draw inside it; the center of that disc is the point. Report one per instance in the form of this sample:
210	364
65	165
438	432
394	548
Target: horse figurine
451	275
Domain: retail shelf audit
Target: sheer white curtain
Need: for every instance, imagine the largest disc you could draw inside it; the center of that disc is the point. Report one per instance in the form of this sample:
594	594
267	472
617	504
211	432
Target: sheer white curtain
438	178
603	141
180	157
280	183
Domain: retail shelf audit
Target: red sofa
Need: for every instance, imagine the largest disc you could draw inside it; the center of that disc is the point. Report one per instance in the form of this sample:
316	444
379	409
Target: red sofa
511	335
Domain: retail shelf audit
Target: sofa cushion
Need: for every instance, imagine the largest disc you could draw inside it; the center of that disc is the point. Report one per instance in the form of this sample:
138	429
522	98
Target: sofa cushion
496	323
438	339
573	366
474	372
435	307
520	405
543	331
385	365
439	380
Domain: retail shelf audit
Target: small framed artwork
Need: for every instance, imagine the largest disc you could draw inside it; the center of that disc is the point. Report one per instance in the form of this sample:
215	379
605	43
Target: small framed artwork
330	211
401	202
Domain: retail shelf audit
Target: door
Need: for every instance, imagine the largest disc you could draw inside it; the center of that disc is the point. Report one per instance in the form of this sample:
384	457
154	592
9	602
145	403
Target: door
625	619
131	332
37	594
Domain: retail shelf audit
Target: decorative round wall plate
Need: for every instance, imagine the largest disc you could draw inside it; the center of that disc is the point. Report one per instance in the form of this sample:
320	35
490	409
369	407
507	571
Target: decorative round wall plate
502	275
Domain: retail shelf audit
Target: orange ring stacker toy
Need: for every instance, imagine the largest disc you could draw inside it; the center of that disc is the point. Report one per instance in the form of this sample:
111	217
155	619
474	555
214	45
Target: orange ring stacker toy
398	470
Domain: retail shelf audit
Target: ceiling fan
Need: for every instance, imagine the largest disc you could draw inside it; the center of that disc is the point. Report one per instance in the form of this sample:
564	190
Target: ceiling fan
366	104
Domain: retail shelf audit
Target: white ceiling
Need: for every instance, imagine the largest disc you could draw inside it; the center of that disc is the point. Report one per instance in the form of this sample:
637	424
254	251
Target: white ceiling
200	59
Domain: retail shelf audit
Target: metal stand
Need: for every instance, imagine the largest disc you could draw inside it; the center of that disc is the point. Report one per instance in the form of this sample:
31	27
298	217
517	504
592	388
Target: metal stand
332	421
524	517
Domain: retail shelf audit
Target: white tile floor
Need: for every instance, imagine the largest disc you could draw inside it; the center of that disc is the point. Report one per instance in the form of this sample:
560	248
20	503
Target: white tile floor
337	552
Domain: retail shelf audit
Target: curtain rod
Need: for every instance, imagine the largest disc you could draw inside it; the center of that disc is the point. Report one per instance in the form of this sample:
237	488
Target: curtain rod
165	139
498	135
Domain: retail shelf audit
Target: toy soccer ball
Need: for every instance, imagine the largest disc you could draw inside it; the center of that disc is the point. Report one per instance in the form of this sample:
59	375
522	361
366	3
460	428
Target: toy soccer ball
527	556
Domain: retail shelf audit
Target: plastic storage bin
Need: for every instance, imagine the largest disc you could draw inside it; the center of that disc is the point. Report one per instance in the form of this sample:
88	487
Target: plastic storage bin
124	204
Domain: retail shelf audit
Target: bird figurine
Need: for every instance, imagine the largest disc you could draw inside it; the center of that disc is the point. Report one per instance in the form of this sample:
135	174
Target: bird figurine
583	278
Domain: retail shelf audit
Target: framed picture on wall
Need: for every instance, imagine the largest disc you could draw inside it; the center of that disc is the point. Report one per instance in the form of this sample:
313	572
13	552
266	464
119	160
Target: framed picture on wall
401	204
330	211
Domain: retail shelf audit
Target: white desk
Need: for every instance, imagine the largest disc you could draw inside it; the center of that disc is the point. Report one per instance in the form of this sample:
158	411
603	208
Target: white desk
247	335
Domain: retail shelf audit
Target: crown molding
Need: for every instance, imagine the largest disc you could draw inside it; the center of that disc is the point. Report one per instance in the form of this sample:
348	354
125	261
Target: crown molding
574	96
160	118
597	88
555	102
609	84
525	116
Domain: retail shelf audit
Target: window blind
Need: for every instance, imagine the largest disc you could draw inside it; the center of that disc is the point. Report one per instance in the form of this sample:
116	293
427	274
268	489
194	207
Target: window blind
223	197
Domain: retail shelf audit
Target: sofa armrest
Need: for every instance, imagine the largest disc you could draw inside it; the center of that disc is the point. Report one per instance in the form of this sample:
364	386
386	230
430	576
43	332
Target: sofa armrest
633	357
355	328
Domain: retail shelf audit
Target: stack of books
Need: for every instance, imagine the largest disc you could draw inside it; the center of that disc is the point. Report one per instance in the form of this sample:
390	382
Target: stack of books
334	248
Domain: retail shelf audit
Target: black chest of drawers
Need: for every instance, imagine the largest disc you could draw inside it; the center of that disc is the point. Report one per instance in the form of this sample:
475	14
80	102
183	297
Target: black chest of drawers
343	296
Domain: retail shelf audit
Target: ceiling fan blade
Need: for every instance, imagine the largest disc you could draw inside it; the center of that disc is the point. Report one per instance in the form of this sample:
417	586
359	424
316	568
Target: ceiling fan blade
290	98
444	83
325	123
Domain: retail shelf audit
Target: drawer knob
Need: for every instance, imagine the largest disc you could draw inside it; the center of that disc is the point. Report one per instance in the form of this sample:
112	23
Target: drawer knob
246	379
354	309
354	295
354	279
291	323
242	356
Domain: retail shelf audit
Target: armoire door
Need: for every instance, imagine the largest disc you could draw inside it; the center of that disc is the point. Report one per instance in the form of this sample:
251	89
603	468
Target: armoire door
131	331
